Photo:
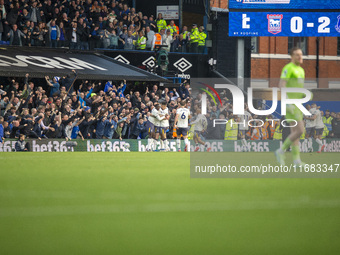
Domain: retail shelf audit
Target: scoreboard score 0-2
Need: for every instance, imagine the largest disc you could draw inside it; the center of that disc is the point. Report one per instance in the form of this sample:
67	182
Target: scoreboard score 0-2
294	24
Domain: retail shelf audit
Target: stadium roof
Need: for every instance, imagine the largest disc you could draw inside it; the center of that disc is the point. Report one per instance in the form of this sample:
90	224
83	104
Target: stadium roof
39	62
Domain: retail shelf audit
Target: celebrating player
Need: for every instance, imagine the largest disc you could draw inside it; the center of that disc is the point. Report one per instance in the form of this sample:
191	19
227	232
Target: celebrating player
156	114
243	128
310	127
164	125
181	125
293	75
151	130
319	126
201	125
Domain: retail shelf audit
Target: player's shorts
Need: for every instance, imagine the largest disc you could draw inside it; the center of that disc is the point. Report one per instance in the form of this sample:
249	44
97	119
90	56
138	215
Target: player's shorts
310	131
242	132
197	134
318	131
157	129
293	113
182	131
151	128
161	130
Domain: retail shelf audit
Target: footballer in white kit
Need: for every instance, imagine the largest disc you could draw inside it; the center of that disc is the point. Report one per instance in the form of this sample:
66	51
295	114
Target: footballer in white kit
164	125
201	125
243	128
151	131
319	126
310	123
182	125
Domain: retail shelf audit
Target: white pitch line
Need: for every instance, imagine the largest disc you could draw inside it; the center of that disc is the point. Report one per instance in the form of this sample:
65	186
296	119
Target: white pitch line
68	210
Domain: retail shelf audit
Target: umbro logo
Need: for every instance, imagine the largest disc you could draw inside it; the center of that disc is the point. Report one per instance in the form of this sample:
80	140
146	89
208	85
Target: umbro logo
182	65
120	58
150	62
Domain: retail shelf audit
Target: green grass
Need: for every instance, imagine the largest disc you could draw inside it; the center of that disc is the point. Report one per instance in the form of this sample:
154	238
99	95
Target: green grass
146	203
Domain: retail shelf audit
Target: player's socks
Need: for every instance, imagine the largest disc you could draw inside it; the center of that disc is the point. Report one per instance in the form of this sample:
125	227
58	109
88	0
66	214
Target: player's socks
286	144
152	144
166	145
320	143
296	153
148	147
178	144
162	144
186	141
244	144
310	142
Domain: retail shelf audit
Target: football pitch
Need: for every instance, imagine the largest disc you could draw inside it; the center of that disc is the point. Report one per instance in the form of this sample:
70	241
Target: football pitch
146	203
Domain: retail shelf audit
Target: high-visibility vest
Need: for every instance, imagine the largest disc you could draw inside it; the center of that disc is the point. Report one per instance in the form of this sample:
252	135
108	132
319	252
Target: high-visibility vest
158	40
201	38
328	122
161	24
184	34
272	126
141	43
265	134
172	29
325	132
249	132
231	131
278	133
257	135
174	133
194	35
177	29
265	130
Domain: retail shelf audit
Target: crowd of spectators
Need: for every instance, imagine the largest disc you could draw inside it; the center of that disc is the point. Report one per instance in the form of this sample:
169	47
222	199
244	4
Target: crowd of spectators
62	108
67	108
92	24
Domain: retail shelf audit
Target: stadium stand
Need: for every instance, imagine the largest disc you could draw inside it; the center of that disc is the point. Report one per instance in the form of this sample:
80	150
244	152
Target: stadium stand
85	25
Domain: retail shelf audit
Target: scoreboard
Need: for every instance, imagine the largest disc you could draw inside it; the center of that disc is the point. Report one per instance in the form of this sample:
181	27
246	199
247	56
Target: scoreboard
293	18
284	24
285	4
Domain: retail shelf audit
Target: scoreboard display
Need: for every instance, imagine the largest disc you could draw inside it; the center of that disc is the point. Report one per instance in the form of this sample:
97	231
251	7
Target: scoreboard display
285	4
292	24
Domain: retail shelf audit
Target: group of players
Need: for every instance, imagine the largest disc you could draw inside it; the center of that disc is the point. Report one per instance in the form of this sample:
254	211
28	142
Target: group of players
159	125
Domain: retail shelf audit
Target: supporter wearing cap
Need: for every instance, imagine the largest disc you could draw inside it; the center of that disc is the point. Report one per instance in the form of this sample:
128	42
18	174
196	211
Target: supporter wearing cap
168	40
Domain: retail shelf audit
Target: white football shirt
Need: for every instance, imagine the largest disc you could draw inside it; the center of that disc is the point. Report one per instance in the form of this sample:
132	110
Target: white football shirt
155	117
311	123
244	120
201	123
318	120
164	122
183	117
